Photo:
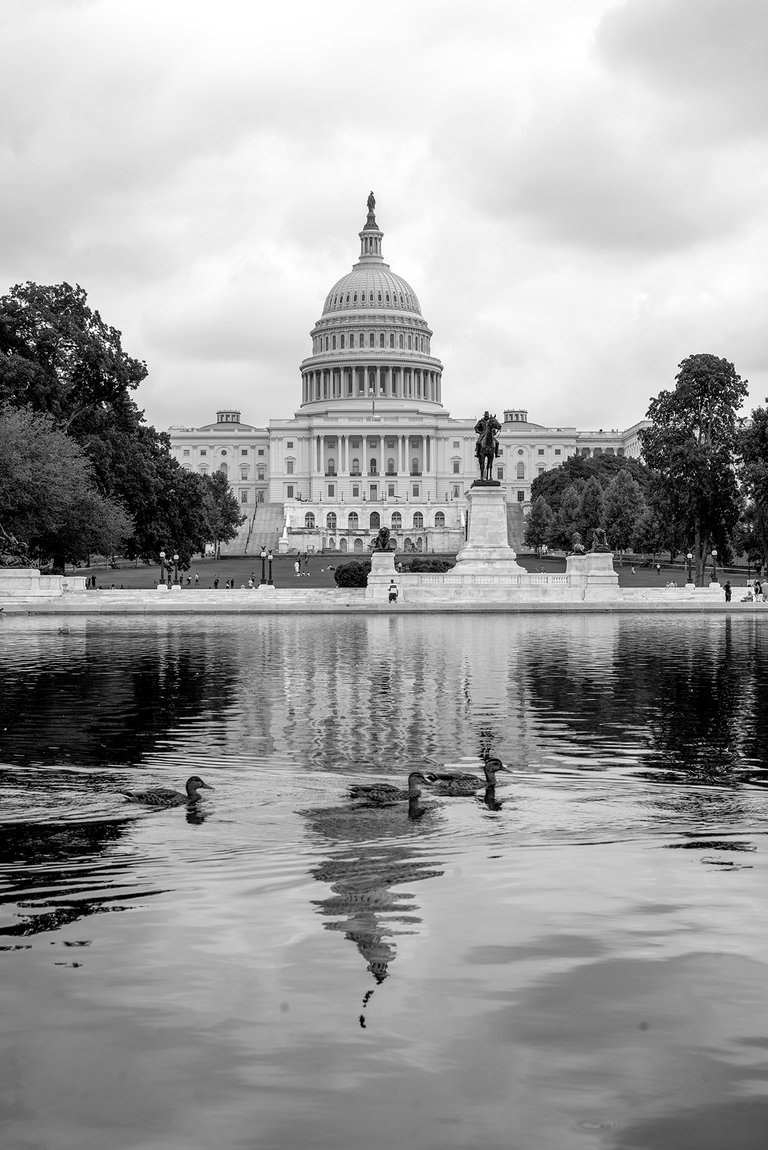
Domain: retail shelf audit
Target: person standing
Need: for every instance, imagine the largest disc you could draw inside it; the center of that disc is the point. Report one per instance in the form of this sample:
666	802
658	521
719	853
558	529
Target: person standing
727	589
215	582
392	591
296	568
197	579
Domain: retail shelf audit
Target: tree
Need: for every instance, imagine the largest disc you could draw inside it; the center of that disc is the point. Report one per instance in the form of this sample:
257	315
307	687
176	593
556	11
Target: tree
753	449
538	524
222	510
352	573
591	508
691	445
48	497
567	519
60	358
624	506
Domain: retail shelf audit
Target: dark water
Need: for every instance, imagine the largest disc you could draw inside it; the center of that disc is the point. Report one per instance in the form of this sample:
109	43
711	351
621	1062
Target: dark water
586	966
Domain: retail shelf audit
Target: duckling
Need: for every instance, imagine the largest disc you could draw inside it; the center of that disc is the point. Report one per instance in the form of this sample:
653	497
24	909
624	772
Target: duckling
381	794
166	796
448	784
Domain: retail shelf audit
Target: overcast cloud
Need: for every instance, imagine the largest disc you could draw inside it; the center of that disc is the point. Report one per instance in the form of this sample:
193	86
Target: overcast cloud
578	192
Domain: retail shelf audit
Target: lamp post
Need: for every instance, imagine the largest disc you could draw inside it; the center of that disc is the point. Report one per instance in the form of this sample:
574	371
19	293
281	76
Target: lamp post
162	567
263	557
175	567
689	560
269	561
714	565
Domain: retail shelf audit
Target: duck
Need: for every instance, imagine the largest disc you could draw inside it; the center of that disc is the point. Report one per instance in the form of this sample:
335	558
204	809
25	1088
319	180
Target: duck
452	784
381	794
166	796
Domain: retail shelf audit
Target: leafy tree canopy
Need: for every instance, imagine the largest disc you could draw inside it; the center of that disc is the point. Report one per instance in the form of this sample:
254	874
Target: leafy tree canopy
691	445
48	498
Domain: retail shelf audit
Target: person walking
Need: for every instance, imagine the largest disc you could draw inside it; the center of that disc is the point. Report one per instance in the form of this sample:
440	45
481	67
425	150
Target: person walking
197	579
215	582
727	589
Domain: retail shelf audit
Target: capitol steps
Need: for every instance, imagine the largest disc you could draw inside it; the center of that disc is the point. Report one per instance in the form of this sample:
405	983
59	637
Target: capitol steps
262	529
515	527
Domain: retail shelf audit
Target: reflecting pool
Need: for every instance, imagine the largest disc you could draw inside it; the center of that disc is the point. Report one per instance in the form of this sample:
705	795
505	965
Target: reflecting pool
579	961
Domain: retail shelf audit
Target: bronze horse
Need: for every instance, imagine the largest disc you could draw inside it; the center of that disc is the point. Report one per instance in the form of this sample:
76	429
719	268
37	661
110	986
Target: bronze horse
486	451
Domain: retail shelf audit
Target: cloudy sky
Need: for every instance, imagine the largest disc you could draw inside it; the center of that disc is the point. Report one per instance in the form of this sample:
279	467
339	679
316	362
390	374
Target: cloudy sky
576	189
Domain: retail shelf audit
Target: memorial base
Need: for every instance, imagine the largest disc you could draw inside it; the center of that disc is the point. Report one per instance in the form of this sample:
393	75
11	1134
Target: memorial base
382	574
595	573
487	550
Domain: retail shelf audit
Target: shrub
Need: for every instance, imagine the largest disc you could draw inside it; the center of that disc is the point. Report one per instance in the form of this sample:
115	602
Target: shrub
352	574
430	565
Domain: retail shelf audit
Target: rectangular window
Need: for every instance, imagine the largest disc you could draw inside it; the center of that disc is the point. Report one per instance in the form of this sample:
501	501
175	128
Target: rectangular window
243	450
415	490
331	490
354	442
390	443
456	465
203	451
557	451
243	473
390	489
456	491
355	490
541	451
261	451
243	496
521	497
289	467
499	472
374	491
456	444
289	491
289	445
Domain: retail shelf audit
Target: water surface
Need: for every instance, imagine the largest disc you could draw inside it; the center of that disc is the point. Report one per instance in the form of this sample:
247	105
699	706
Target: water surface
584	966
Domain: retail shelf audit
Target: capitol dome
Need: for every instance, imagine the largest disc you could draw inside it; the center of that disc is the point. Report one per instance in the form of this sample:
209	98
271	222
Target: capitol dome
371	340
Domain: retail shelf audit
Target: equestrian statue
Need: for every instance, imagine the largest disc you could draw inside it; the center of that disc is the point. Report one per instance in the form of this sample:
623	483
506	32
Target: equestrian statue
487	446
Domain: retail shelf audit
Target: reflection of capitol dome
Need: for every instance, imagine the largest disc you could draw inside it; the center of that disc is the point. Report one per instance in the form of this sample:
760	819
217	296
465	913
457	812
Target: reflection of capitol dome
371	341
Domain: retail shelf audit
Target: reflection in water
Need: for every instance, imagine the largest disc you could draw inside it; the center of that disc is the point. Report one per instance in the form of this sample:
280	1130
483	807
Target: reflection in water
572	946
373	849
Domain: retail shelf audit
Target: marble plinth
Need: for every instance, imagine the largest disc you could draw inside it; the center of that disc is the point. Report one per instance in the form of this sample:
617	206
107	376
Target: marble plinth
487	550
595	574
382	573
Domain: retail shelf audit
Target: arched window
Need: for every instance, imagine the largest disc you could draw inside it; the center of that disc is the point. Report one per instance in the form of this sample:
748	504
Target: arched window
223	468
341	341
372	467
392	339
203	469
243	472
414	467
331	465
330	521
371	340
521	471
309	519
390	467
418	521
397	521
355	466
381	339
401	341
375	521
439	519
262	471
352	521
409	343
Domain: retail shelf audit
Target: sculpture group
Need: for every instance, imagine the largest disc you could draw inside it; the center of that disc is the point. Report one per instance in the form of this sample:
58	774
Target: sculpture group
487	445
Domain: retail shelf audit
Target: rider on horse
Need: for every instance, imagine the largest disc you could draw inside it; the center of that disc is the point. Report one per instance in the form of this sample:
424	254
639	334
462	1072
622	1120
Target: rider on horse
481	430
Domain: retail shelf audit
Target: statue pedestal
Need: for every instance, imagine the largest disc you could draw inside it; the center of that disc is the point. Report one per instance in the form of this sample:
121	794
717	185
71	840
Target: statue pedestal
382	574
594	572
487	550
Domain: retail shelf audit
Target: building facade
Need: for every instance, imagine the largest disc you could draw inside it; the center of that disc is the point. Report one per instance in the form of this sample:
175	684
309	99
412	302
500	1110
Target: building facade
371	444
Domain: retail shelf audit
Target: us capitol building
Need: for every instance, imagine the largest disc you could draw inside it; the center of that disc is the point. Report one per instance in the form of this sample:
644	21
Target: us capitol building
372	445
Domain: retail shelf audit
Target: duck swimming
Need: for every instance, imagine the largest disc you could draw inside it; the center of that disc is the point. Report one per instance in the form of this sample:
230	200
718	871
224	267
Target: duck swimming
450	784
380	794
167	797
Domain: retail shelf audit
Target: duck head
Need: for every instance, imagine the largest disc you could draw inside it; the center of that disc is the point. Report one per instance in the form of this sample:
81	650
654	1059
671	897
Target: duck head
194	784
492	767
415	781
